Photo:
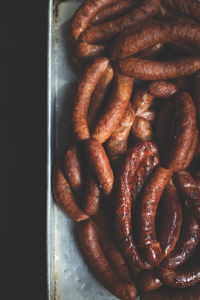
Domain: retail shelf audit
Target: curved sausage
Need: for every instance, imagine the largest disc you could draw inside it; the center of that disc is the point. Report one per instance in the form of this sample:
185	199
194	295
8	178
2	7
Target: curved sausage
148	281
171	219
99	163
152	52
196	92
122	193
141	130
99	96
146	213
115	108
107	31
100	265
92	197
154	70
87	52
191	153
64	196
117	144
80	105
132	41
150	115
185	132
72	166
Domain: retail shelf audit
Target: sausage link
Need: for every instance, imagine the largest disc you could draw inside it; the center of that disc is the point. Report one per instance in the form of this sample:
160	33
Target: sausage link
146	213
196	92
115	108
64	195
117	144
122	193
103	219
184	83
196	156
80	105
148	281
141	130
100	265
185	132
152	52
154	70
72	166
99	96
150	115
107	31
171	219
92	195
191	153
98	160
87	52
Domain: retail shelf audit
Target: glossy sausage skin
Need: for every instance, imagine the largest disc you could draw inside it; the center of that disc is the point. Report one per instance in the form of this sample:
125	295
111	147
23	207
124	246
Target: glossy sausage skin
103	33
184	134
115	108
141	130
122	193
148	281
64	195
149	199
99	264
99	163
80	105
171	220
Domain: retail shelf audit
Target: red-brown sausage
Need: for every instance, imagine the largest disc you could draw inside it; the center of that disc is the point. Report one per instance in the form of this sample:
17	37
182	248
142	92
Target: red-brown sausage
100	265
87	52
132	41
184	83
99	96
146	213
171	219
141	130
64	196
152	52
154	70
72	166
148	281
105	221
99	163
117	144
196	93
92	194
115	108
191	153
107	31
185	132
80	105
150	115
196	156
122	193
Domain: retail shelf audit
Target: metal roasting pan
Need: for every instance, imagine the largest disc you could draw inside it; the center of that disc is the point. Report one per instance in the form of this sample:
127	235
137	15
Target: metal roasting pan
68	275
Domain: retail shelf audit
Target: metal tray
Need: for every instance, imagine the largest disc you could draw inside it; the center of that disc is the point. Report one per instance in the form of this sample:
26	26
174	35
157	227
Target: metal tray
68	275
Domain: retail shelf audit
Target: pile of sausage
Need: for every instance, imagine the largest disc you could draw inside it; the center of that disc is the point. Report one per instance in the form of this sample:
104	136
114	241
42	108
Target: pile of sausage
130	172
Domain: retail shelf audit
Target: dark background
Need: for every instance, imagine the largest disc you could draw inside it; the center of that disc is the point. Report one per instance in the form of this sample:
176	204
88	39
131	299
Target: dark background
23	98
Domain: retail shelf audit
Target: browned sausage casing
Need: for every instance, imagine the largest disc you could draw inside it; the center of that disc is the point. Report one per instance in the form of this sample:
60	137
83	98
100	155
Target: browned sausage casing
100	265
149	199
150	115
115	108
141	130
99	163
185	132
122	193
148	281
64	196
80	105
87	52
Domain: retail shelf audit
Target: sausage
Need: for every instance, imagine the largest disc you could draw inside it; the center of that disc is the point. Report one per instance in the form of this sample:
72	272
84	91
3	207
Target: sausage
115	108
64	195
84	15
92	195
146	213
104	220
144	69
141	130
184	83
132	41
152	52
180	278
191	153
103	33
72	166
99	264
148	281
196	177
150	115
113	11
196	92
196	157
166	293
80	105
99	163
164	122
188	191
87	52
78	64
187	243
171	219
187	7
122	194
117	144
185	132
99	96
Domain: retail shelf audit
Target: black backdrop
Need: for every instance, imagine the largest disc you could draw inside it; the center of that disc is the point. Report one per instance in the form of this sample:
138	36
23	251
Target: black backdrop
23	98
